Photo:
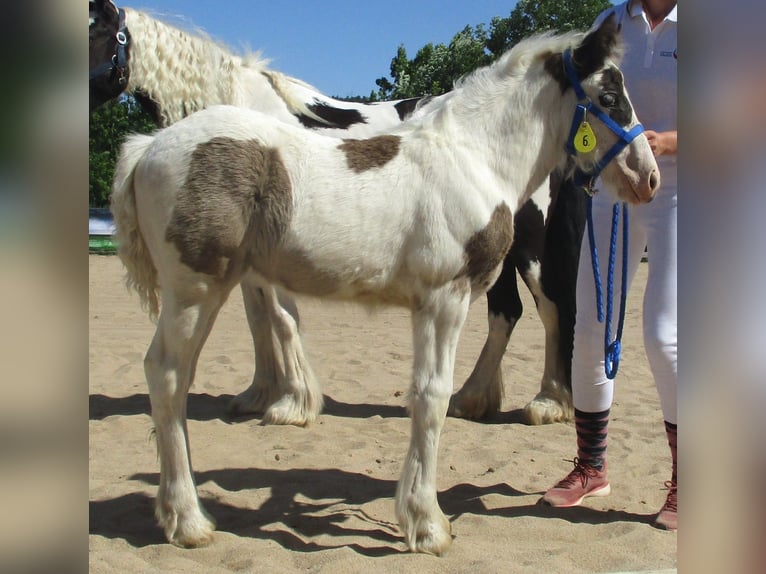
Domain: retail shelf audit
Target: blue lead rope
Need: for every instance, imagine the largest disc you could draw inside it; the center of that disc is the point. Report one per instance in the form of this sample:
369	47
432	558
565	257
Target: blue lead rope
585	180
612	349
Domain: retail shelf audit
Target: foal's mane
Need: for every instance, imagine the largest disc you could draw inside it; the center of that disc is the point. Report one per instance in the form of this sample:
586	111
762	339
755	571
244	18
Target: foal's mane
182	71
519	67
516	62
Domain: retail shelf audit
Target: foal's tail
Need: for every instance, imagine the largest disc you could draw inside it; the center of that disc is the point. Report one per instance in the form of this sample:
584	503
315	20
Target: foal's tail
141	272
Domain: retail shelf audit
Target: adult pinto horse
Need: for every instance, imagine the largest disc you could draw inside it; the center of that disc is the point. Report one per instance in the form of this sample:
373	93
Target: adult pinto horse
419	217
173	73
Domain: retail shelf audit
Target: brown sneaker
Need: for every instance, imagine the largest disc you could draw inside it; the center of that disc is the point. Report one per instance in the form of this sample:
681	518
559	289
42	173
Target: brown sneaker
668	516
582	482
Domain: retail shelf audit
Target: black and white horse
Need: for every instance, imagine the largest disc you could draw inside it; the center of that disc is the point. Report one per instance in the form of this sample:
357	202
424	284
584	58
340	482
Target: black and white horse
174	73
421	216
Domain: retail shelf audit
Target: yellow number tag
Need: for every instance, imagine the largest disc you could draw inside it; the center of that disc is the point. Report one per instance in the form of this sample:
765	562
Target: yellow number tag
585	139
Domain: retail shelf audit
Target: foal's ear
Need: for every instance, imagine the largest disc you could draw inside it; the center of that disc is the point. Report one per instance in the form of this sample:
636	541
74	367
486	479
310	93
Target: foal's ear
596	47
590	56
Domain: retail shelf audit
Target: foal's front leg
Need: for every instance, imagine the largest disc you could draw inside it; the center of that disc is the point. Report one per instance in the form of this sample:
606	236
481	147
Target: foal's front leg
169	365
437	319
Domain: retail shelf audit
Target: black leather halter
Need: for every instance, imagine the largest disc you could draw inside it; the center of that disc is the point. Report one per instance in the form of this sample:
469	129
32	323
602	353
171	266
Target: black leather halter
118	64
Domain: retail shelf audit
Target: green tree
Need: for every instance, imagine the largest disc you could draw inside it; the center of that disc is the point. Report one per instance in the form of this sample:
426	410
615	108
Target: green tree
435	68
535	16
108	127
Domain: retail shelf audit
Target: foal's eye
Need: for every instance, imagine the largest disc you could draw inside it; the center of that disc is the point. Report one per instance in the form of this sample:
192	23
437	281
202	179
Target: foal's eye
607	100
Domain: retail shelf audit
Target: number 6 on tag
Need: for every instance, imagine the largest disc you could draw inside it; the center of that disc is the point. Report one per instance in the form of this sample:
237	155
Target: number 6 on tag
585	139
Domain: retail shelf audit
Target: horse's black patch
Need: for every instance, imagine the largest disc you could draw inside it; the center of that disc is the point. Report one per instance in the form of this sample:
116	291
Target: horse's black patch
612	97
589	56
558	273
405	108
339	118
529	235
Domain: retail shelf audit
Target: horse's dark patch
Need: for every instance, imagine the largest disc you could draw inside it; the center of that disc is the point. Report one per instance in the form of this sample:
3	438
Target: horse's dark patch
486	249
612	97
558	272
554	65
338	118
589	56
405	108
529	235
596	47
299	273
362	155
234	207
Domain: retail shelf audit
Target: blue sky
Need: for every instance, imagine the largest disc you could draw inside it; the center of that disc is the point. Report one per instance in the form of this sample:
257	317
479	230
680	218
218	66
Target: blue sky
340	47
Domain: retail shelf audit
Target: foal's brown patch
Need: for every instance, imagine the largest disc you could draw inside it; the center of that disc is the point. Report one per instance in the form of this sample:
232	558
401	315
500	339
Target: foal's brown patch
486	249
362	155
235	204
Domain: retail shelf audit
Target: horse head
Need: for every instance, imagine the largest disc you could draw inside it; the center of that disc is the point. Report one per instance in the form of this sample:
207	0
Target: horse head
108	40
605	137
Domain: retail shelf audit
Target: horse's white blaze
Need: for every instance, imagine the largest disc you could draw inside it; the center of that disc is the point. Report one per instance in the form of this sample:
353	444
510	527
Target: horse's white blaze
542	200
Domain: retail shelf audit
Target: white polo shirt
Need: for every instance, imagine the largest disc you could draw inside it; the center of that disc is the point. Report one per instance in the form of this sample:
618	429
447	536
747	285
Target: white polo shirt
650	70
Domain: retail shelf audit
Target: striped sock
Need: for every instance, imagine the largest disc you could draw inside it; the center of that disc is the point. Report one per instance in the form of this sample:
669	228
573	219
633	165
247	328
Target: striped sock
672	431
591	437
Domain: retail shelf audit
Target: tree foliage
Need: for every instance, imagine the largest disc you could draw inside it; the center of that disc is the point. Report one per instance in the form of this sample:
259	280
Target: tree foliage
535	16
435	68
108	127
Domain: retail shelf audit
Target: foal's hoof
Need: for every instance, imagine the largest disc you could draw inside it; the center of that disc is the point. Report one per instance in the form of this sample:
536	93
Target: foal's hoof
193	539
430	537
546	410
193	531
290	411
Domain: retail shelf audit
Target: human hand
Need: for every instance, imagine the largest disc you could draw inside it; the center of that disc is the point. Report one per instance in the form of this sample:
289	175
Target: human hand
662	143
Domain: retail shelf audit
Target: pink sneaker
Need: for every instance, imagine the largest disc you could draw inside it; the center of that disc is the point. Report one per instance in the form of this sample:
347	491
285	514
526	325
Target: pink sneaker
582	482
668	516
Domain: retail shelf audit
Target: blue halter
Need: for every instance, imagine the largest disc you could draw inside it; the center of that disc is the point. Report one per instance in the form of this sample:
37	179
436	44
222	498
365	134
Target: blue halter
585	180
624	137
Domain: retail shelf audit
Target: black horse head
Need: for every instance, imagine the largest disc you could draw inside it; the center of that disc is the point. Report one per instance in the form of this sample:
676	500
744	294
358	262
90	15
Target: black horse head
109	42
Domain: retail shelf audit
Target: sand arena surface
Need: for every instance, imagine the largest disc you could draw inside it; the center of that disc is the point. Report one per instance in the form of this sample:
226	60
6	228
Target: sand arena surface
320	499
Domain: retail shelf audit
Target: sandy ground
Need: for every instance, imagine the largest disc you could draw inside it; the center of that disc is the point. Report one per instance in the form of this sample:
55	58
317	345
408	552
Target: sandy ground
320	499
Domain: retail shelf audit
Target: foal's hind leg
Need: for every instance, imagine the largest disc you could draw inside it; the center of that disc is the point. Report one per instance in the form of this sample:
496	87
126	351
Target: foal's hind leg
284	388
183	327
299	398
263	391
482	393
437	319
